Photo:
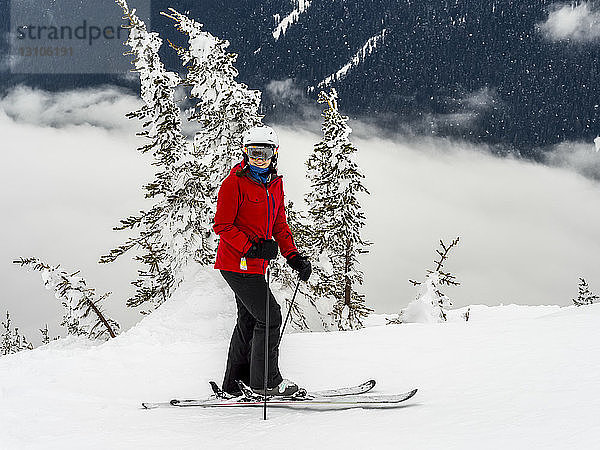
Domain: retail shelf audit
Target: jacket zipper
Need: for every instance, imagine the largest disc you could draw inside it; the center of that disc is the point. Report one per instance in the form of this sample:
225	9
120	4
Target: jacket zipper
268	219
268	206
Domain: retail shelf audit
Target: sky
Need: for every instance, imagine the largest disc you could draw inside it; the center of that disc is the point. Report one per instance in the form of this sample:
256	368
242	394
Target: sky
71	170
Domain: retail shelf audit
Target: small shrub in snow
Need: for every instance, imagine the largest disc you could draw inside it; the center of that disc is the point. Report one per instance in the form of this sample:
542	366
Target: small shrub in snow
585	297
46	335
467	314
11	341
431	303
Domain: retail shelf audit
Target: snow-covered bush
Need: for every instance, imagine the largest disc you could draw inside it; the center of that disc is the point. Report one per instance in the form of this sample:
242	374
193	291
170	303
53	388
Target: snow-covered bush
431	303
585	296
83	313
11	341
46	335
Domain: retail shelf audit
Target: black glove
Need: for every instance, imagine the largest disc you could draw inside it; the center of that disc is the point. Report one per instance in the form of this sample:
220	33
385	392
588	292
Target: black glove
301	265
263	249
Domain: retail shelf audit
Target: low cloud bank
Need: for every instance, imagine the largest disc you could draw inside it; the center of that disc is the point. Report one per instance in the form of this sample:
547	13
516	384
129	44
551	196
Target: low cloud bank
528	230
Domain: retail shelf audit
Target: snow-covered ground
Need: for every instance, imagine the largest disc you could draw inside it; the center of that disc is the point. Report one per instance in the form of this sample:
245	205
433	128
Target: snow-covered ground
511	377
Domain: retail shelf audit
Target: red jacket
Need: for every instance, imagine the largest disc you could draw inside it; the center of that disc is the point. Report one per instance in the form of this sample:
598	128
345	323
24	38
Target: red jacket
247	210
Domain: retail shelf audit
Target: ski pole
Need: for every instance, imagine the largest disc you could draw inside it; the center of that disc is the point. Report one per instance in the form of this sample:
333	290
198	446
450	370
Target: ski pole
289	311
268	274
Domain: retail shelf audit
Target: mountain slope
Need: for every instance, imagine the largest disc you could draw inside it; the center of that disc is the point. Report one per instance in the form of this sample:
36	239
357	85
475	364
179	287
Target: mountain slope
511	376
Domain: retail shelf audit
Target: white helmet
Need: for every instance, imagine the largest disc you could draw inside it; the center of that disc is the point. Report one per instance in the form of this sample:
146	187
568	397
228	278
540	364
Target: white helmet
260	135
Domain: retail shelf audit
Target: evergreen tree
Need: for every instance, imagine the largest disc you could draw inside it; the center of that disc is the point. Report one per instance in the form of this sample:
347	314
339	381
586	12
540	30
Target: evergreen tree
11	341
337	218
83	312
225	109
169	233
585	297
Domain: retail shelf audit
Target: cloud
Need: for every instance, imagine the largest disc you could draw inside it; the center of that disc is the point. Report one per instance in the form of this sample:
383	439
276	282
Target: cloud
466	110
527	230
290	101
62	189
480	100
578	23
98	107
579	157
284	89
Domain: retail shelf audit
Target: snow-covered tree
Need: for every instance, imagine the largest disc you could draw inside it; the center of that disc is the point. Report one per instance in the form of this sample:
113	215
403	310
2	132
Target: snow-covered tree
225	108
431	303
336	218
169	233
585	296
83	313
46	335
11	341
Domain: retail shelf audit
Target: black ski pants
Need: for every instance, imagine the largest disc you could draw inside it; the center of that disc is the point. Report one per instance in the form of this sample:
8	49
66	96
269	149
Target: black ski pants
246	358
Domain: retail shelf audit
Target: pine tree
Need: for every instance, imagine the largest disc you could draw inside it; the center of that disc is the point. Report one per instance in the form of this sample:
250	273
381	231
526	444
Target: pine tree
11	341
225	109
585	297
337	218
169	233
83	312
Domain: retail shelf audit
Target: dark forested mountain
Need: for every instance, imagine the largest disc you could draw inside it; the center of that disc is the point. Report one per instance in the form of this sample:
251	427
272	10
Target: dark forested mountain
477	69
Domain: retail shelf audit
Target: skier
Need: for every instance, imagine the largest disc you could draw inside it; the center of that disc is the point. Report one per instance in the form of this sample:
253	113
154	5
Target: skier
250	213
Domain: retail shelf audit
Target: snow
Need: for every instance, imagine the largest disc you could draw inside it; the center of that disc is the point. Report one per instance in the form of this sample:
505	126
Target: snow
512	376
291	18
597	143
366	50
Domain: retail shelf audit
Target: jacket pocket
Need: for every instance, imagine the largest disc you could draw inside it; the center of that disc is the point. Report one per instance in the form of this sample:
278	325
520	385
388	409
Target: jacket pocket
253	198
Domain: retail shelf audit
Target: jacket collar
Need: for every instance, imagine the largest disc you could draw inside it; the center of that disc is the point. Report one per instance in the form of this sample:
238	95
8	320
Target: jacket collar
242	164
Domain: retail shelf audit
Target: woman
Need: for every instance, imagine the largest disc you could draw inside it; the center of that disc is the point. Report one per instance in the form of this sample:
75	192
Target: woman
250	213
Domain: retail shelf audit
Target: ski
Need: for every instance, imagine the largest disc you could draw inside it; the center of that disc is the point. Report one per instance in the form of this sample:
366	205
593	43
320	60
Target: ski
345	397
308	401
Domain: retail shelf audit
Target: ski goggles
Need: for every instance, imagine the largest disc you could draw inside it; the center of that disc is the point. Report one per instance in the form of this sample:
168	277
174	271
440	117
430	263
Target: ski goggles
260	151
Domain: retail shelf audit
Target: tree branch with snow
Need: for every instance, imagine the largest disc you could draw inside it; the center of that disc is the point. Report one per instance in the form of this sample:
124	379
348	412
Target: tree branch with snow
83	312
